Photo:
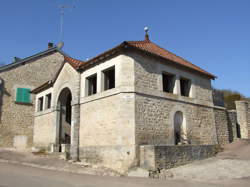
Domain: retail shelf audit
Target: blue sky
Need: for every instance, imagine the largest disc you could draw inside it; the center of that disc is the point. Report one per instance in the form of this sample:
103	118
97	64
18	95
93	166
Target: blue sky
213	34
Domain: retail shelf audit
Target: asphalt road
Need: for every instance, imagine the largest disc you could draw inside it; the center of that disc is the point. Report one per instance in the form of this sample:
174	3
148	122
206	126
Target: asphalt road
14	175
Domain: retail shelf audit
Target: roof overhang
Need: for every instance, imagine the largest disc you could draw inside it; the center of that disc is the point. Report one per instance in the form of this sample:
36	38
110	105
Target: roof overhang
41	88
127	46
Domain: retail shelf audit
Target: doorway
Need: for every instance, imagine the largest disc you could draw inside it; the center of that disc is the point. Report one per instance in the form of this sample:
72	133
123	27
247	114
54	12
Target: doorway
180	135
65	110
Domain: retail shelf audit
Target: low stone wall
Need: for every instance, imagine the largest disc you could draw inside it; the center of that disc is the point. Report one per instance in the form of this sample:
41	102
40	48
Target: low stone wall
164	157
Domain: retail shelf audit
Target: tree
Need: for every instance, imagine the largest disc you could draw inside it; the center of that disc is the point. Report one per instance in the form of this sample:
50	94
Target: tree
230	97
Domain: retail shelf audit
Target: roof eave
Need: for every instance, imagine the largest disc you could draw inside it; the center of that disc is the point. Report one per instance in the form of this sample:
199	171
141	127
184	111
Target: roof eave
126	44
103	56
41	88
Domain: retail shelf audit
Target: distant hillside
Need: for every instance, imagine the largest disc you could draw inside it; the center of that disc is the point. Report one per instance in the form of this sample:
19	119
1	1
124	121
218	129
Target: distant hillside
231	96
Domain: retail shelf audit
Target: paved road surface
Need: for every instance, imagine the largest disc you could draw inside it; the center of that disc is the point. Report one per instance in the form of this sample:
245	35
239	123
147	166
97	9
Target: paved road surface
13	175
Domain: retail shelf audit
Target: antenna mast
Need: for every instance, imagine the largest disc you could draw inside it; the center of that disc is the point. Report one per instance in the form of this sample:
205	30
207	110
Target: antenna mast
62	12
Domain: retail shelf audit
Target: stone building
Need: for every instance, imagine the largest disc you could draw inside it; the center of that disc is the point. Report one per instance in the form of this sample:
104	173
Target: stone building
134	94
16	103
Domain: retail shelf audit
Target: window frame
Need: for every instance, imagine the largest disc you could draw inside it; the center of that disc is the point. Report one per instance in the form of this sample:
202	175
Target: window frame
106	84
48	100
91	90
40	104
169	87
189	83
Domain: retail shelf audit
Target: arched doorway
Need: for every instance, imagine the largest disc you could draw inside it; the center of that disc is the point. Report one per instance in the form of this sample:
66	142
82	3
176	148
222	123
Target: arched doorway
180	135
64	103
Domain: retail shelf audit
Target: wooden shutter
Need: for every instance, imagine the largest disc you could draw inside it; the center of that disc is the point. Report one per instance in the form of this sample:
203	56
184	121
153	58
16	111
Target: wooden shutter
26	95
23	95
19	95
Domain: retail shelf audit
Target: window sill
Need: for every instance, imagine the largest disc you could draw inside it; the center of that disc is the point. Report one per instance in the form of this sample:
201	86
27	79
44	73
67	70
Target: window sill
91	94
43	112
20	103
169	93
107	89
186	96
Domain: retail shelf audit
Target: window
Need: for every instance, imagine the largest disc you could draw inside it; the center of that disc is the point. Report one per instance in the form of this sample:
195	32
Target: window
92	80
40	104
109	78
168	81
23	95
185	86
48	101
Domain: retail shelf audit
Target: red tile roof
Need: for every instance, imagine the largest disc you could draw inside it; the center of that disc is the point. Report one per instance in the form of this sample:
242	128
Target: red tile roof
145	46
151	49
154	49
73	62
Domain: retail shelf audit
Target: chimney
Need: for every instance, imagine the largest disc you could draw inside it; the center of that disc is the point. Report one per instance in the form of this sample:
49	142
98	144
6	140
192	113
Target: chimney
50	45
16	59
146	33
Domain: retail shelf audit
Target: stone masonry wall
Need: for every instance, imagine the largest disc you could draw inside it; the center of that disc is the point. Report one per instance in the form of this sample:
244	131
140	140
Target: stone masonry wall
155	109
17	119
107	118
165	157
155	121
222	125
243	117
107	134
46	131
148	79
232	118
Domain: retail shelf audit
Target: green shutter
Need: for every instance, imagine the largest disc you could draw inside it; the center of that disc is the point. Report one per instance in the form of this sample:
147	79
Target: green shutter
26	95
23	95
19	95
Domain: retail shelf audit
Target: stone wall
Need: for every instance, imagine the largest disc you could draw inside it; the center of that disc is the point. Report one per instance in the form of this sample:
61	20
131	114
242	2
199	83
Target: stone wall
226	125
17	119
222	125
165	157
102	124
155	109
107	118
46	122
232	129
119	158
107	134
148	80
154	118
44	129
243	117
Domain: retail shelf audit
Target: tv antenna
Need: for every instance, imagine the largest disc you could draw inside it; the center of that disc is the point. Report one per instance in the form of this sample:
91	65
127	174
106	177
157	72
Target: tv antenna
62	13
